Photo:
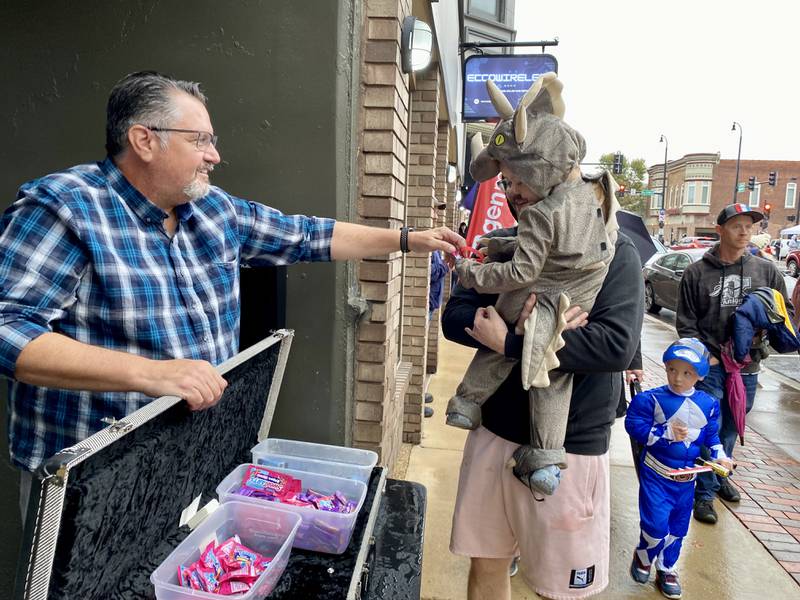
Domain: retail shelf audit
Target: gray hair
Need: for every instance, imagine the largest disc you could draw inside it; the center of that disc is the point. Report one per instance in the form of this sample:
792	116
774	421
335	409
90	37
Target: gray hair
144	97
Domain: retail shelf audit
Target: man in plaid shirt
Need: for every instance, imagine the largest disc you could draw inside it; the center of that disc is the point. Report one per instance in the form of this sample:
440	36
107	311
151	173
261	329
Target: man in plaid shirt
119	280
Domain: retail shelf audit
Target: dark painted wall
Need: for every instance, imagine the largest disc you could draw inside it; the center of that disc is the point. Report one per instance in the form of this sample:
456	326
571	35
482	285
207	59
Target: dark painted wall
273	74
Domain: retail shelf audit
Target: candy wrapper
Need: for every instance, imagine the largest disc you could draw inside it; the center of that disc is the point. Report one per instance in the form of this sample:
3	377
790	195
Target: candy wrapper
270	483
225	569
259	482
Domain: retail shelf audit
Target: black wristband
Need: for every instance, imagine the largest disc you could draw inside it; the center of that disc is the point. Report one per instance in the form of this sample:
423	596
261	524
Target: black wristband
404	231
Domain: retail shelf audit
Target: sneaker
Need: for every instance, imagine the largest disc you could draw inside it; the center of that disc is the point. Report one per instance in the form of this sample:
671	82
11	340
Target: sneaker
727	491
428	411
668	584
514	568
704	511
428	398
639	571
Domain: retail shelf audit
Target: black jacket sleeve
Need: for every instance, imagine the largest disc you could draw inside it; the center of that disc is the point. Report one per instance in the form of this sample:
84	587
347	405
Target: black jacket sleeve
608	342
459	312
636	361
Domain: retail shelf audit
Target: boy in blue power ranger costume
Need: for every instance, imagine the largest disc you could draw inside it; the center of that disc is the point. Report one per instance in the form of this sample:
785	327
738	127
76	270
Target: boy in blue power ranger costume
672	423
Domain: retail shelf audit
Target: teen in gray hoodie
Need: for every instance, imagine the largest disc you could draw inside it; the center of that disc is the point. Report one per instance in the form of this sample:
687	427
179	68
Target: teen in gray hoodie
711	290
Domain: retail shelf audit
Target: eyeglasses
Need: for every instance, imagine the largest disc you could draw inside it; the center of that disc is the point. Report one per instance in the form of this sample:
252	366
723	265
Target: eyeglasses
202	140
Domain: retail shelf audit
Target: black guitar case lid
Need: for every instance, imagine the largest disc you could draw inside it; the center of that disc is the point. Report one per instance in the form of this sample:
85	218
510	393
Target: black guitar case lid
104	514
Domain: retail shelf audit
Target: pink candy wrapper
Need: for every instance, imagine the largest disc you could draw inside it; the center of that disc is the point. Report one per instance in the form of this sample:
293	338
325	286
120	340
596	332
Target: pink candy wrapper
227	568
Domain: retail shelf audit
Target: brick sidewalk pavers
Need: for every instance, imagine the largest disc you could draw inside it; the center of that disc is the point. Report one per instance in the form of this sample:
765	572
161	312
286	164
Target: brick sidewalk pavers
769	482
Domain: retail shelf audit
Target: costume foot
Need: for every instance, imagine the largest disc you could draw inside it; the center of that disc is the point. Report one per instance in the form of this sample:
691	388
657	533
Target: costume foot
460	421
545	480
462	413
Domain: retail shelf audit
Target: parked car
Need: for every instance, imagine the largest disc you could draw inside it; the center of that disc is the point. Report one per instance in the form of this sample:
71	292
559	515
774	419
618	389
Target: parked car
662	278
685	243
780	248
793	262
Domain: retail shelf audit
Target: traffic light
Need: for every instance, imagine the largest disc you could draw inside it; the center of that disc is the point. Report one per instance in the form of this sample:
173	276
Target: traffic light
773	176
621	191
617	169
767	209
751	183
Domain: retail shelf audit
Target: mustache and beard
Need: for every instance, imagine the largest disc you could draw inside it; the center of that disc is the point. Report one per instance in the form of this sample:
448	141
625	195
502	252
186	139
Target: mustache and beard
197	188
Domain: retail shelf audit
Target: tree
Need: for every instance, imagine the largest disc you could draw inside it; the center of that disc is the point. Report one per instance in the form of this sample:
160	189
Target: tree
632	177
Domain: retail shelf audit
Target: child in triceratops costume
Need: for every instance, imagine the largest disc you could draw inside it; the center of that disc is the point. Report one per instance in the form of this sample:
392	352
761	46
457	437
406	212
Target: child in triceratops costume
564	244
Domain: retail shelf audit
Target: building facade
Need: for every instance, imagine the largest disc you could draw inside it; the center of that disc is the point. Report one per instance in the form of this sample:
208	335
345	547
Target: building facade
699	185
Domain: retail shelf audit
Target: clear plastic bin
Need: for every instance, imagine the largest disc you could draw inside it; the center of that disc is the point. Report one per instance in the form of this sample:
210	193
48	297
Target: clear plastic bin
265	528
350	463
320	531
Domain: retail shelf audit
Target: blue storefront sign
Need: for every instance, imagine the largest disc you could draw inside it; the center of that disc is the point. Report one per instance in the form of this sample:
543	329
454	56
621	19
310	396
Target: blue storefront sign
512	73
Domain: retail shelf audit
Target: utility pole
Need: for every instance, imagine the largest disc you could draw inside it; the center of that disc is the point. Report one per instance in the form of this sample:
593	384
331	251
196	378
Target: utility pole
738	159
663	189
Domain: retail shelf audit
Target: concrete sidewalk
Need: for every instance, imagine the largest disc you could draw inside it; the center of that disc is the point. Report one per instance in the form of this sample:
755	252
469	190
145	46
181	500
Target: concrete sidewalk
723	562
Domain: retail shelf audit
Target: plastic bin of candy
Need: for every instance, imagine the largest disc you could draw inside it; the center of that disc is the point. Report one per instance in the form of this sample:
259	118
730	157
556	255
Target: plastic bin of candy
350	463
265	528
320	530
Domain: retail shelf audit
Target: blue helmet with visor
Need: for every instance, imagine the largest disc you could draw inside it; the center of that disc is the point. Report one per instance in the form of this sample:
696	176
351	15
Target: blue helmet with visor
690	350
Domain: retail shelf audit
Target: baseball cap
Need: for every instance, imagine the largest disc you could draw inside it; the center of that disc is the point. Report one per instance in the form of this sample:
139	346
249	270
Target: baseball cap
690	350
734	210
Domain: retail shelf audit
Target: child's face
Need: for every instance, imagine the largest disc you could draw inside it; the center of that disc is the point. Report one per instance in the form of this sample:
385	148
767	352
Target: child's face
680	375
518	194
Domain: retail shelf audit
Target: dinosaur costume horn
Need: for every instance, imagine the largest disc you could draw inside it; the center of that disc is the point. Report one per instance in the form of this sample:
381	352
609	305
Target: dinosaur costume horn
476	144
499	100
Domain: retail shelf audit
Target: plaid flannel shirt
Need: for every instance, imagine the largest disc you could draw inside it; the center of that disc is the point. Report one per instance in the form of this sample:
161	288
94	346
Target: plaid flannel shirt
84	254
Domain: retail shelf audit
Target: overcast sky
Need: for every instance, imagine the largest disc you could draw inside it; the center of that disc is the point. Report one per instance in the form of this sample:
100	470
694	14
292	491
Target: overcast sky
634	70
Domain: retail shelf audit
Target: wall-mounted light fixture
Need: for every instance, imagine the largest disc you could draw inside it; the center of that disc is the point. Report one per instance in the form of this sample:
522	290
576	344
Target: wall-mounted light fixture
416	45
452	173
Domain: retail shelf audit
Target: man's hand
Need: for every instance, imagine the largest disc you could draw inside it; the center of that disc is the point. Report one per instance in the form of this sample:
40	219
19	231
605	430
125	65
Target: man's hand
725	462
440	238
489	329
632	375
196	381
679	431
575	316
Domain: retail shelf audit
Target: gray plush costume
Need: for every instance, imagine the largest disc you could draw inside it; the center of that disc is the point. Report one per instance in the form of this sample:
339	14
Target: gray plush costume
563	247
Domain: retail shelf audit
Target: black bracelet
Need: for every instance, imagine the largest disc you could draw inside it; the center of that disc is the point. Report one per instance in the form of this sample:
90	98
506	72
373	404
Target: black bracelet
404	231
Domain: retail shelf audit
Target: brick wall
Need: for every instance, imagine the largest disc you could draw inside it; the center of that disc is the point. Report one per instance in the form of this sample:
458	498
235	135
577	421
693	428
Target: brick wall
442	192
379	408
421	180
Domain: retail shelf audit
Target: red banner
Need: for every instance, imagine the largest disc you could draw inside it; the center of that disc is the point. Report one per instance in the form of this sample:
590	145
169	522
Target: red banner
490	211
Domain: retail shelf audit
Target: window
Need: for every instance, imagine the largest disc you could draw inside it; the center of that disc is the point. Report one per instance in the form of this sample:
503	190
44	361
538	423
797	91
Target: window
690	190
487	8
705	193
755	197
668	262
791	194
681	262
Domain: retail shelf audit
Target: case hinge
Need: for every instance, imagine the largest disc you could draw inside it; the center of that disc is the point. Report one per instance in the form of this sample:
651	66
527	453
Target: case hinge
117	426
